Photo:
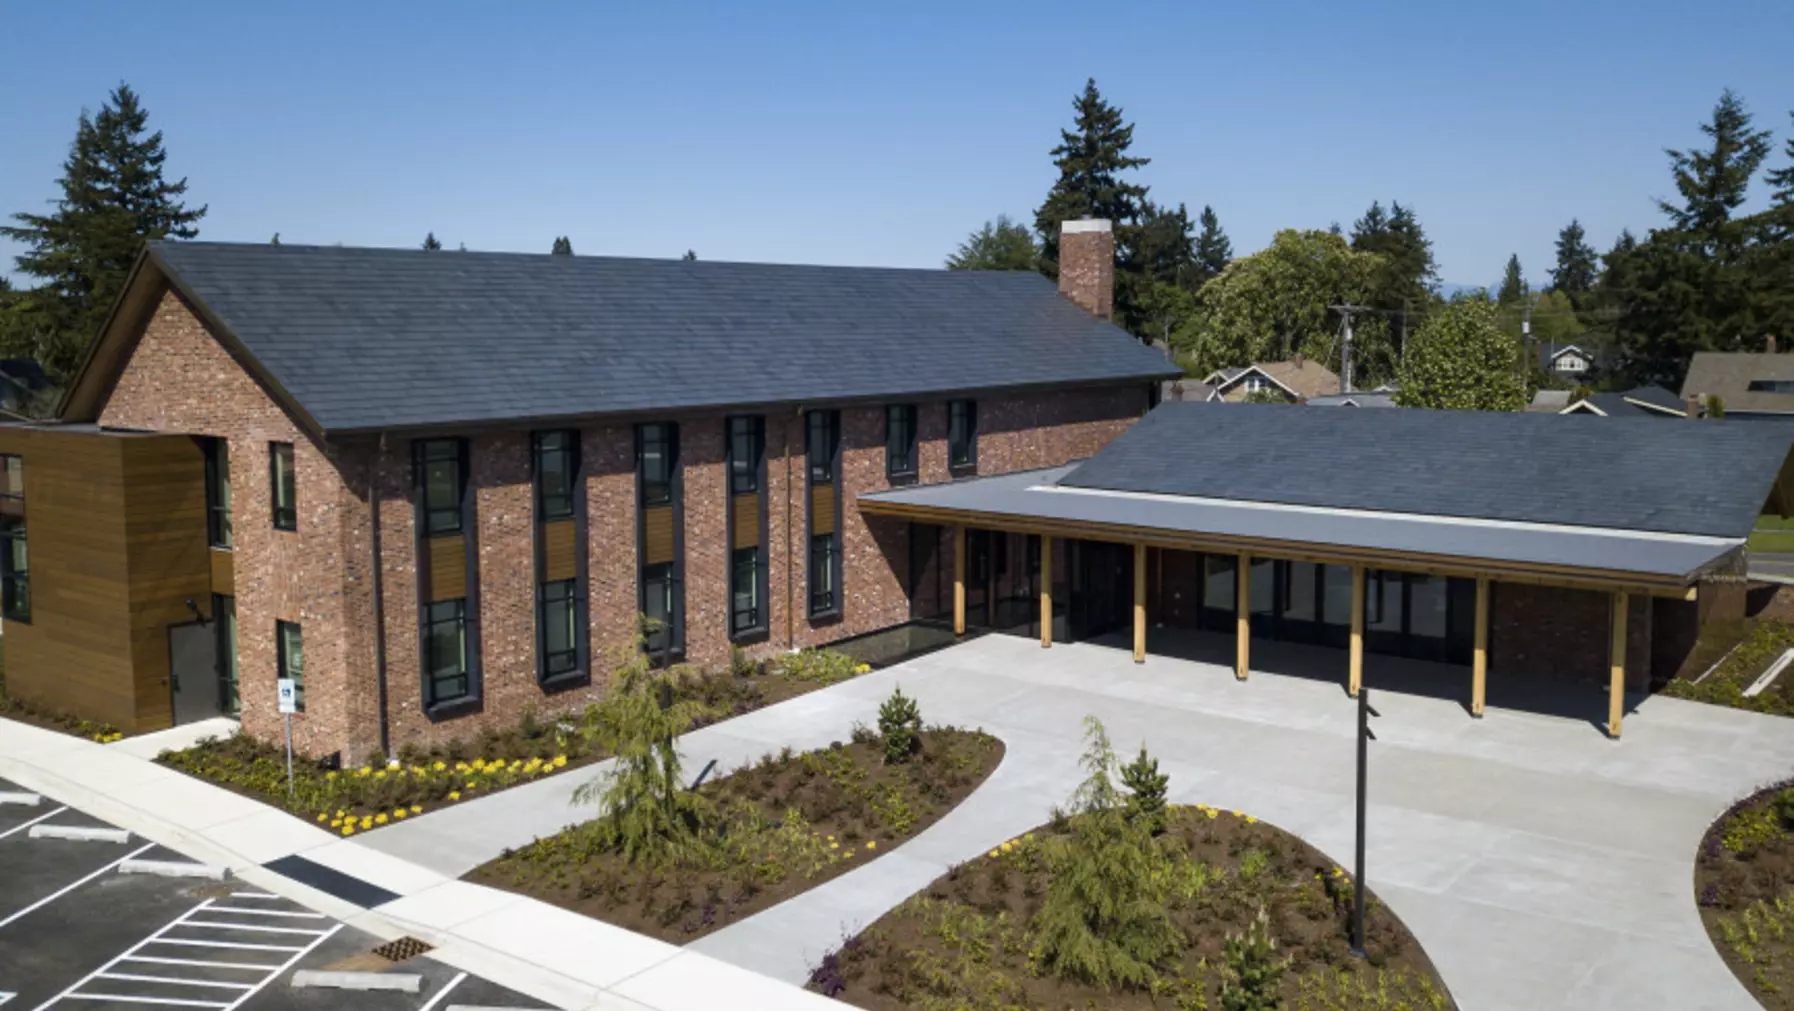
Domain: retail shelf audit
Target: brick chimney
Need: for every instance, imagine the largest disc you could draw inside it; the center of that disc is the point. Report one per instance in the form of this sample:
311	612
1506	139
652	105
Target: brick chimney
1087	265
1300	359
1692	405
1772	344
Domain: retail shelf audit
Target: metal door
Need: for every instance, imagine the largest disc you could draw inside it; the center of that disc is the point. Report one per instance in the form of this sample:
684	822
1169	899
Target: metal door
193	671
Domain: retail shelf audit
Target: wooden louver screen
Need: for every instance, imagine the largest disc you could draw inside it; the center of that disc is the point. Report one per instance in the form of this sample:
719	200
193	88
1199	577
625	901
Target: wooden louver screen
448	567
747	521
224	581
822	509
657	535
559	555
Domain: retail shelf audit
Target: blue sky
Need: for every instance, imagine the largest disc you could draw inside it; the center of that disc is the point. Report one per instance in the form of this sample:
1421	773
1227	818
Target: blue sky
883	133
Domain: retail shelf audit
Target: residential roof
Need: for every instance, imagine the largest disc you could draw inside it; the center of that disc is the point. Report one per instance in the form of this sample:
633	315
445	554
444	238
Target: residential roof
1304	378
1549	400
1645	401
1369	399
366	339
1729	375
1629	473
1049	495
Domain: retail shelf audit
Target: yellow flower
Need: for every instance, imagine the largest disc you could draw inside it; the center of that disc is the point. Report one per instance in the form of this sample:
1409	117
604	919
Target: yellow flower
363	771
560	761
337	823
1029	837
401	813
330	775
993	853
440	766
367	822
340	812
1236	814
321	817
872	844
1251	820
834	845
380	775
849	853
460	766
1212	813
831	838
471	784
417	809
348	830
1006	847
380	819
454	794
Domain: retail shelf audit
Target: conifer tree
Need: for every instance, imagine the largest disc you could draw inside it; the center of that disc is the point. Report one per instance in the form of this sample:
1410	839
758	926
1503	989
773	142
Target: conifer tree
275	241
1091	158
431	244
563	246
1713	181
113	197
1368	230
1575	272
1513	284
1002	244
690	255
1213	249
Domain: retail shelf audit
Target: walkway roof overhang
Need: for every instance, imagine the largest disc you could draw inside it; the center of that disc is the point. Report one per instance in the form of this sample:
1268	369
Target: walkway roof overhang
1641	561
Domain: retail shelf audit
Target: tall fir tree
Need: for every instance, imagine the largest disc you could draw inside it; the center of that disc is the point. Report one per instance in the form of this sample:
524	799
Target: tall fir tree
1781	180
1213	249
690	256
431	243
1513	284
275	241
1003	244
1714	181
1164	248
1091	158
114	197
563	246
1370	229
1576	270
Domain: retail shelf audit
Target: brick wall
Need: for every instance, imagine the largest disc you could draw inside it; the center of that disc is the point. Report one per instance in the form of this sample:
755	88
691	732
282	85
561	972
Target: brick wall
180	379
1551	631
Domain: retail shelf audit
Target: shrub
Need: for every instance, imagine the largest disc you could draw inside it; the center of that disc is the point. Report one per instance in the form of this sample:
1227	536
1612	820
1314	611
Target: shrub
1254	970
823	666
1146	792
900	724
1104	920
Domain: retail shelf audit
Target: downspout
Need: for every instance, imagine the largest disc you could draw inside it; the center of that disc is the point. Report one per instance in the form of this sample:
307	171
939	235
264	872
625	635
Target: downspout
379	598
790	593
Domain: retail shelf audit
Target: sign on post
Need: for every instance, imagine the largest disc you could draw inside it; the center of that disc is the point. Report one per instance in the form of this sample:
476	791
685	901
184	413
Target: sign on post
286	700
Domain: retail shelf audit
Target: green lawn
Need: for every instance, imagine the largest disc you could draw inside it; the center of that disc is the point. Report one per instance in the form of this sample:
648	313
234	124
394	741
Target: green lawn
1767	522
1771	540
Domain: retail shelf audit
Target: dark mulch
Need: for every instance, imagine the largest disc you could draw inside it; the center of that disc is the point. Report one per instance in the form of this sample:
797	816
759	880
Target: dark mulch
1744	883
965	940
791	822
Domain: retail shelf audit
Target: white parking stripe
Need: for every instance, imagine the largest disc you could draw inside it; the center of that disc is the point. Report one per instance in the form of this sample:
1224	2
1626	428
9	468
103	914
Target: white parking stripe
433	1001
196	961
172	981
34	821
223	944
256	927
46	900
268	912
124	999
252	895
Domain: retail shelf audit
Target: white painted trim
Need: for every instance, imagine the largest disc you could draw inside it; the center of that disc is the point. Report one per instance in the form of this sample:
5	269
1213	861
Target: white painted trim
269	912
1253	368
1659	408
167	1001
252	928
1462	521
1079	226
1583	407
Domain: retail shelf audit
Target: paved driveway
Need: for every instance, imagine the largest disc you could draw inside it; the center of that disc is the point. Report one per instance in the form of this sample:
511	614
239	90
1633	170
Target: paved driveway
1542	865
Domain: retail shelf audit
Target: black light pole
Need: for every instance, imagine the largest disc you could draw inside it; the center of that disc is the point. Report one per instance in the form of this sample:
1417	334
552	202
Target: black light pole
1365	712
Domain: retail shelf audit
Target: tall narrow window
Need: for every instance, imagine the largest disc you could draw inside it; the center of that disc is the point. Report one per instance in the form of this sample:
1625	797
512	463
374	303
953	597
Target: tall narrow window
820	439
659	607
747	439
218	492
822	574
744	592
900	440
224	618
280	469
559	624
291	657
554	453
654	462
15	567
962	433
444	485
445	651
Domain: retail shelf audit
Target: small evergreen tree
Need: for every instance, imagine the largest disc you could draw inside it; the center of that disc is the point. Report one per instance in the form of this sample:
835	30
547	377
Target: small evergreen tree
689	256
1575	272
900	725
275	241
1213	249
431	244
1146	792
1253	968
1513	285
563	246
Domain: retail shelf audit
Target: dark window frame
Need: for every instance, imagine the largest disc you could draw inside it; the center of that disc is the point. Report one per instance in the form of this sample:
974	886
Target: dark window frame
283	657
224	623
285	513
744	435
555	665
830	454
753	619
900	441
553	505
823	603
15	579
430	621
674	646
434	514
962	434
822	431
218	519
656	490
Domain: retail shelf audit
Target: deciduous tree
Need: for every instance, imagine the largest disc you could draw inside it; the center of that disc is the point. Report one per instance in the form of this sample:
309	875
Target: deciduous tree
1460	359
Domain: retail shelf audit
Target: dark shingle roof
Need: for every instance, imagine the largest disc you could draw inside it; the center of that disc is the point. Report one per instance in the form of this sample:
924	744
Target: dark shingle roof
386	338
1627	473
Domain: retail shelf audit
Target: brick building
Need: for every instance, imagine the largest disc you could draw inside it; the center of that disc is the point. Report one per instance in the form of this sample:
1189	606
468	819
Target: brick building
441	488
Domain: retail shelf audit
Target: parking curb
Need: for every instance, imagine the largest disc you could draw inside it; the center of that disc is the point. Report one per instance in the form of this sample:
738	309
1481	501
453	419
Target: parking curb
21	798
79	833
403	982
174	869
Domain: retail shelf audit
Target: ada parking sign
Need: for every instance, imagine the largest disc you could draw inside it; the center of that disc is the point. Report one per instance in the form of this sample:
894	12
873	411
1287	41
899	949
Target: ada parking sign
288	696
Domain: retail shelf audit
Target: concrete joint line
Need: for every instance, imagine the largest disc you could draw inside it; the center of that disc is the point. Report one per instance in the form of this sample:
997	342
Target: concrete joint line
79	833
17	797
400	981
174	869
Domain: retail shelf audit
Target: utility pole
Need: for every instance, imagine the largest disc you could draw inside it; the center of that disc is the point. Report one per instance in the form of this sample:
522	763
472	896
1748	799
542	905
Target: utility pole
1345	352
1401	347
1526	344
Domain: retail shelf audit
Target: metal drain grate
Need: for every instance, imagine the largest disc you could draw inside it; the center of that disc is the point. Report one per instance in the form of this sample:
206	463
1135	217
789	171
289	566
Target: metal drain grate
401	949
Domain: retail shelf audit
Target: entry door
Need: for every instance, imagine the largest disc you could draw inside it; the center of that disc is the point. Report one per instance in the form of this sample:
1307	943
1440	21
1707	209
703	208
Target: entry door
193	672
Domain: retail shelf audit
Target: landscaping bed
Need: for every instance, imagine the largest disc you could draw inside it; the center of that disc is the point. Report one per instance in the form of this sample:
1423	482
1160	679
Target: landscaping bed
779	827
50	719
1128	904
1763	642
416	780
1744	884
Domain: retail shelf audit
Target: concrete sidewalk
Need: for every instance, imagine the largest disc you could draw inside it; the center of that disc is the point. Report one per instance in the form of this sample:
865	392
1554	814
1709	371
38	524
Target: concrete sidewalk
548	953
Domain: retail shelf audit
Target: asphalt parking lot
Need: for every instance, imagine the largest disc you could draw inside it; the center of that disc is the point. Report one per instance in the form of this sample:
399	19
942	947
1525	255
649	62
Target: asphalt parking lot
77	933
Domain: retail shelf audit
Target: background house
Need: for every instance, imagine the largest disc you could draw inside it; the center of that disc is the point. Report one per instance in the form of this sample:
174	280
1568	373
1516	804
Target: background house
1295	379
1749	385
1644	401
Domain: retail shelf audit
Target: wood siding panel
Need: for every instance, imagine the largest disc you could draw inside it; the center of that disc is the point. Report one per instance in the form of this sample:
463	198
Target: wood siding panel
224	579
168	555
559	557
448	567
657	535
746	533
822	509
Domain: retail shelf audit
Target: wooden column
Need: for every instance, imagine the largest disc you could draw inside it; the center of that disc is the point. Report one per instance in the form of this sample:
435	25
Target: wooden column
1355	665
959	580
1046	591
1479	660
1243	614
1139	603
1616	665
